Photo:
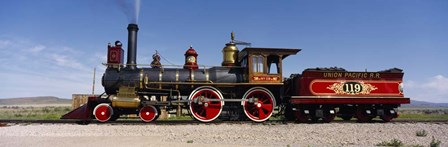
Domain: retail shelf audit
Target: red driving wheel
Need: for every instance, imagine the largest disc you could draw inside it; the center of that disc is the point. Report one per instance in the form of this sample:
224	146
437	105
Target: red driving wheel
262	106
202	108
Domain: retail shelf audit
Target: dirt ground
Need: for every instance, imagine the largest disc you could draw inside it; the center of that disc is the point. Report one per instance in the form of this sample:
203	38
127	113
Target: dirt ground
226	134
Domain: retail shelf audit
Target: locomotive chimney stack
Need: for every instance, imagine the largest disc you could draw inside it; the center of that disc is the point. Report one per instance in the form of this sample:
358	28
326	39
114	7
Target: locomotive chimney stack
132	46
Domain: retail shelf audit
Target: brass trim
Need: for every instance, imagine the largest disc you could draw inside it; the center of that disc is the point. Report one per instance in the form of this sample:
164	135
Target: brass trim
191	75
160	78
177	75
207	76
125	102
146	79
125	91
141	78
177	78
217	84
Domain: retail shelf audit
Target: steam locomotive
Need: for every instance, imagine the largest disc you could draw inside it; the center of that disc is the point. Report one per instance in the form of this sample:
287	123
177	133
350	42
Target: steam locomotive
249	84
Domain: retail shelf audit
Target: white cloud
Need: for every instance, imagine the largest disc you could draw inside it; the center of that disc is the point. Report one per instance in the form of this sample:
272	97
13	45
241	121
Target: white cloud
59	59
410	84
45	70
28	85
4	43
438	83
101	56
434	89
36	49
69	50
67	61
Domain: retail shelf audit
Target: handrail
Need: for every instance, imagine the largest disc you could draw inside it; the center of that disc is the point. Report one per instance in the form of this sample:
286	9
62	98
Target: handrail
150	65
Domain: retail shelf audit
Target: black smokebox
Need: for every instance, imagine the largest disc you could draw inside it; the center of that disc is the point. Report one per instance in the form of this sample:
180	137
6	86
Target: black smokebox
132	46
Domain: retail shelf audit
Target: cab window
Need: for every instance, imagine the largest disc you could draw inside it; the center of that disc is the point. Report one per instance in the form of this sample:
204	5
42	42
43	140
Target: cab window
244	62
257	64
273	64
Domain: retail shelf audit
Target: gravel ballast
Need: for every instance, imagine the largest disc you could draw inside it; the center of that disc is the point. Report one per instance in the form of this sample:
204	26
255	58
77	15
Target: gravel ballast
225	134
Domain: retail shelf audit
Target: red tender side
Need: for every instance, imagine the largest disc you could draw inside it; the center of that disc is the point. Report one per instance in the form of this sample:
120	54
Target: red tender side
343	87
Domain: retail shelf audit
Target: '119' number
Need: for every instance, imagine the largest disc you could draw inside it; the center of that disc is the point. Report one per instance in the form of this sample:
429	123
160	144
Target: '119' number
352	87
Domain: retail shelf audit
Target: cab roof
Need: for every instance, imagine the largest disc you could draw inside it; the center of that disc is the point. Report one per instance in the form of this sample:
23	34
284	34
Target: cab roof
284	52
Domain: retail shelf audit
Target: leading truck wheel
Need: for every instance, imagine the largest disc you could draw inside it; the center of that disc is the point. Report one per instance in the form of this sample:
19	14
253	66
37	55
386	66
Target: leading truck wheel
103	112
202	106
148	113
259	105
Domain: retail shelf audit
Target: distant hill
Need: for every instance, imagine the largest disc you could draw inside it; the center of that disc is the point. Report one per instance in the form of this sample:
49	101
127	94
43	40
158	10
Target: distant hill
42	100
425	104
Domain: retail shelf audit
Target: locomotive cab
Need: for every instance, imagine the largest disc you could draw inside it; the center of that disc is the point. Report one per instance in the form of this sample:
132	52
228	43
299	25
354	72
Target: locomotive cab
264	65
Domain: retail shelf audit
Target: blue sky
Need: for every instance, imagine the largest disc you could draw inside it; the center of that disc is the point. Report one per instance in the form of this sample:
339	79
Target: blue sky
49	47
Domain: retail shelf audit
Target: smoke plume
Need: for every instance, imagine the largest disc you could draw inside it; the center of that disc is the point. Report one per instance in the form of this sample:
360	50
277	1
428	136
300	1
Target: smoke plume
131	8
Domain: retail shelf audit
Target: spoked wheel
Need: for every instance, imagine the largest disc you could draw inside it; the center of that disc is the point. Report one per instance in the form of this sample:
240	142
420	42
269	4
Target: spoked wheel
202	105
260	104
362	116
103	112
148	113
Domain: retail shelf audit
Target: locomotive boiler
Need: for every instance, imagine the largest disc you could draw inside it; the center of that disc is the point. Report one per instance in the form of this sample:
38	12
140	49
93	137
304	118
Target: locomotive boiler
249	84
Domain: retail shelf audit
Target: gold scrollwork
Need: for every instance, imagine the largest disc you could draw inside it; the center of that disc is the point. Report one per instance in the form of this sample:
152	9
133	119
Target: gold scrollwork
337	88
352	88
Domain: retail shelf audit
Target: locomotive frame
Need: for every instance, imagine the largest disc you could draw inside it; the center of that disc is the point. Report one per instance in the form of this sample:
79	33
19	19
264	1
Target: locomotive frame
249	82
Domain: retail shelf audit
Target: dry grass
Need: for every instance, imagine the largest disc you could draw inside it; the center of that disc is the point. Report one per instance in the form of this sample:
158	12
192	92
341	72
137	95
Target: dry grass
31	112
423	114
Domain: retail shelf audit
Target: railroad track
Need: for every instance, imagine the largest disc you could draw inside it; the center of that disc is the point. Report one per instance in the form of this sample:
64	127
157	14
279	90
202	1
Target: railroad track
194	122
